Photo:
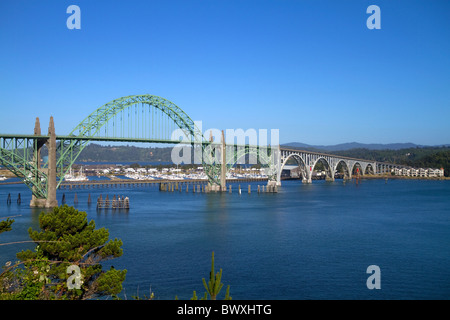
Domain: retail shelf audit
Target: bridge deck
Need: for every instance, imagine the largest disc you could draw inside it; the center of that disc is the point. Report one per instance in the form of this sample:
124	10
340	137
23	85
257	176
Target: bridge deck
340	157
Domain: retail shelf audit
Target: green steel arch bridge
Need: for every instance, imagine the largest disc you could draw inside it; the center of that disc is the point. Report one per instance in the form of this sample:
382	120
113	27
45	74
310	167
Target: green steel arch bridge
137	118
152	119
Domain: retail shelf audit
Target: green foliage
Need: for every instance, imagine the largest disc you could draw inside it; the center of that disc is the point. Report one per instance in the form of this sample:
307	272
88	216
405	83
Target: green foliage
5	225
110	282
96	152
151	296
213	286
194	296
66	238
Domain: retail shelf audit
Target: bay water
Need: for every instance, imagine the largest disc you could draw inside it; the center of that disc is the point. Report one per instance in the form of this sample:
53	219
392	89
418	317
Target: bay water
308	241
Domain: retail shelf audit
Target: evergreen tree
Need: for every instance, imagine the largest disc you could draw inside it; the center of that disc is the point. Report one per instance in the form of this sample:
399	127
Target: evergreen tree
66	261
213	286
5	225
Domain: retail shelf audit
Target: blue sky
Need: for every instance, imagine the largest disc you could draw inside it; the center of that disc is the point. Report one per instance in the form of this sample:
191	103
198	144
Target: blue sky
311	69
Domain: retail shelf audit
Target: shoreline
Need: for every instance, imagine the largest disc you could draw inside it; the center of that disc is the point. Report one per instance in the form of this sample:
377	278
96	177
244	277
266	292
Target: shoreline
8	174
369	177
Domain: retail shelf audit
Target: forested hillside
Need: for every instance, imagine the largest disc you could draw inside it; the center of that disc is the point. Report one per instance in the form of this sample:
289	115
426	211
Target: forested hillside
96	152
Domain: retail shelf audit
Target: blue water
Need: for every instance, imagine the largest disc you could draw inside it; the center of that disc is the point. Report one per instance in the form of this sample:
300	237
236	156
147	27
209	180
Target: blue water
305	242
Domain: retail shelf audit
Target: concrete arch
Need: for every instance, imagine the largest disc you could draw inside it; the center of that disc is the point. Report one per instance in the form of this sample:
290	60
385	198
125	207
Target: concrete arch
328	167
367	166
301	163
346	166
357	165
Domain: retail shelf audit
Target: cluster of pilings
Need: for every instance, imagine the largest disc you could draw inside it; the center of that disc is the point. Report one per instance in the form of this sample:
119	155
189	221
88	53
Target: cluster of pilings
8	200
206	188
75	199
119	202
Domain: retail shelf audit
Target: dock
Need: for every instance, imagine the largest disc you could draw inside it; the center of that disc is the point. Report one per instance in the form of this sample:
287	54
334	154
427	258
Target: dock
135	183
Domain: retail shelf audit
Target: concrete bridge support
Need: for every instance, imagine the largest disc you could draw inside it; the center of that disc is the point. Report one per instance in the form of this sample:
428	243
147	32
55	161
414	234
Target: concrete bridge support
50	201
51	186
223	169
36	202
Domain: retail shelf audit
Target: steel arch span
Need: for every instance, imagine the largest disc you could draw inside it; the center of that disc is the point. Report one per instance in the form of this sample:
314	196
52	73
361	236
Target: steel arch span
137	118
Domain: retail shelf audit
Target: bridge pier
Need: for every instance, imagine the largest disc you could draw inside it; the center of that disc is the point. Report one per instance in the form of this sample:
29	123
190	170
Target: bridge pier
51	185
211	187
223	171
36	202
50	201
272	184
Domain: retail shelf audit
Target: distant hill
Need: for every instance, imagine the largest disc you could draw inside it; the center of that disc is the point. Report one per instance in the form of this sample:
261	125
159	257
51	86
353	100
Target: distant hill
352	145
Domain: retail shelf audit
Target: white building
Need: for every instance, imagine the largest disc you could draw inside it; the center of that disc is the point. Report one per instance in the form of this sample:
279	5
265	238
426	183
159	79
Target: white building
435	172
421	172
414	172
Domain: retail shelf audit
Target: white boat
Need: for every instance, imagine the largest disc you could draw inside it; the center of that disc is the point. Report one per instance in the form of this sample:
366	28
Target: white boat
74	178
3	178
